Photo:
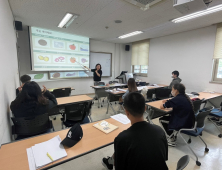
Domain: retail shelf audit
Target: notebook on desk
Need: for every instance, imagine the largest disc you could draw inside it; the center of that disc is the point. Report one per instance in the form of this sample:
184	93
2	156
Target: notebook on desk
38	155
105	126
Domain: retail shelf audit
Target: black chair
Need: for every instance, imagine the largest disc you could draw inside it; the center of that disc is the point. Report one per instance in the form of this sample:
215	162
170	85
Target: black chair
74	113
183	162
30	126
88	107
196	131
99	93
162	93
112	82
98	83
196	105
150	94
64	92
141	84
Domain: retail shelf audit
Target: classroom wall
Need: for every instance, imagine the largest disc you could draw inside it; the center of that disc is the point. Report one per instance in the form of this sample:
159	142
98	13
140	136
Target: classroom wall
81	86
8	69
190	53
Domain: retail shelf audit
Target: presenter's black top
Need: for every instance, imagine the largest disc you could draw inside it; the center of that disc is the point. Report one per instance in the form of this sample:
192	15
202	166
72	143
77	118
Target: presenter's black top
95	77
142	146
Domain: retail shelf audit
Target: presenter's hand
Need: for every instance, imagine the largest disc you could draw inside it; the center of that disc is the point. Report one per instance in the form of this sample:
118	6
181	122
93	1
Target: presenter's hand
20	88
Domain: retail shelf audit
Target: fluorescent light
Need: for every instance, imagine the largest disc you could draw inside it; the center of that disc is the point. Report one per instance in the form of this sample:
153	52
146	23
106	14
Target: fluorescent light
130	34
198	14
67	20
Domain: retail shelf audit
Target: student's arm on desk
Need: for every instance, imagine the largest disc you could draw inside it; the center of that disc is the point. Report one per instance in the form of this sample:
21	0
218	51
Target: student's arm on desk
162	105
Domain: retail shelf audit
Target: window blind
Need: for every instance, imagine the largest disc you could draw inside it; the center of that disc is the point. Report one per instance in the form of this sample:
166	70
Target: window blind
218	42
140	52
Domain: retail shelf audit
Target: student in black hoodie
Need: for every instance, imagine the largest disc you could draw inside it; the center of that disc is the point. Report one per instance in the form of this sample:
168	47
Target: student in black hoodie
24	79
32	101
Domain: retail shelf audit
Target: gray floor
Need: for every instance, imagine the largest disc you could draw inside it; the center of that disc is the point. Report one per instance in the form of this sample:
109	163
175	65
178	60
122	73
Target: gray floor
209	161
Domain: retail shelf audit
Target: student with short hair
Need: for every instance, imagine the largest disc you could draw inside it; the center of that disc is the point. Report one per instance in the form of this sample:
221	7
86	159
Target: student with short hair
24	79
32	101
176	79
182	115
143	145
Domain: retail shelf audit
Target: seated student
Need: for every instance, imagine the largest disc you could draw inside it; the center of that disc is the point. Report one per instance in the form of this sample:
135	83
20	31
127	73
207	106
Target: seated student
32	101
182	115
24	79
143	145
176	79
131	88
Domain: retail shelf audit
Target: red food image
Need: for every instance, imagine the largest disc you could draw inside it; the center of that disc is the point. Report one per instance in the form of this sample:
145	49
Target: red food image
72	60
72	47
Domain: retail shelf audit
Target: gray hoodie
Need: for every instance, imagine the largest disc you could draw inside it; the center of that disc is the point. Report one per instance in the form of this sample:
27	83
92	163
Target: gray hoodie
174	81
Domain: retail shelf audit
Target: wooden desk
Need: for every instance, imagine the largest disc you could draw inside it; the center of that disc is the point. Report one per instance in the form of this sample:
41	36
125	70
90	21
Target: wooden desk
13	155
202	95
148	87
51	90
73	99
208	96
110	86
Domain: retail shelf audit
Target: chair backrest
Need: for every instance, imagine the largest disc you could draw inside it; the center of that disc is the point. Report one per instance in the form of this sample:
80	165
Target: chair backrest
99	83
88	106
162	93
142	84
202	115
31	125
112	82
196	105
150	93
75	112
64	92
183	162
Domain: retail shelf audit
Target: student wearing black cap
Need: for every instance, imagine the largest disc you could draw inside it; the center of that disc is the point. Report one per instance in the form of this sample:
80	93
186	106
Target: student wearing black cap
143	145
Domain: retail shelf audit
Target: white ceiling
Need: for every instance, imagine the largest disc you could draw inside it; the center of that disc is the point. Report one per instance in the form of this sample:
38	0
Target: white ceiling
95	15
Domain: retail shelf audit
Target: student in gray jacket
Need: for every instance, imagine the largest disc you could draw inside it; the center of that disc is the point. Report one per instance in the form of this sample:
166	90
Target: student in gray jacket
176	79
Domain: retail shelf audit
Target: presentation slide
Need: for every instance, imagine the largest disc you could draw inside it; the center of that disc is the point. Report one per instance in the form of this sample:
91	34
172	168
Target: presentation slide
57	51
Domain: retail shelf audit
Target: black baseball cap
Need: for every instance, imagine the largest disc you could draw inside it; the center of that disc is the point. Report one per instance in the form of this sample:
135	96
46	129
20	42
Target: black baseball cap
73	136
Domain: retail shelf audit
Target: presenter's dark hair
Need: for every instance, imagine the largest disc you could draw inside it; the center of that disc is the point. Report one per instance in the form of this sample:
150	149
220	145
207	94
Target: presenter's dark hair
25	78
97	65
176	73
134	103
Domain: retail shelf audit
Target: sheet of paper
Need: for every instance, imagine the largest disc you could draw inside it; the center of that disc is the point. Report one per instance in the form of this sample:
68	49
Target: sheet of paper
53	147
121	118
31	159
121	90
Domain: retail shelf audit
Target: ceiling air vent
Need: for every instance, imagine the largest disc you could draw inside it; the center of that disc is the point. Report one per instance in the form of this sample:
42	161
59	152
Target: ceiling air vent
143	4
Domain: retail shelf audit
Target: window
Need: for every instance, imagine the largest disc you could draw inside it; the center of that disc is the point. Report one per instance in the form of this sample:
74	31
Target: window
140	57
217	70
217	62
140	70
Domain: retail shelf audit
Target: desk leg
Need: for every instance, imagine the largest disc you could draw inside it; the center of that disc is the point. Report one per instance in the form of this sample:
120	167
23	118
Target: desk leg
113	109
107	107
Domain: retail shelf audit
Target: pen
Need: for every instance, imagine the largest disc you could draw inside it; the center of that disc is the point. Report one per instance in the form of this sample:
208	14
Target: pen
49	156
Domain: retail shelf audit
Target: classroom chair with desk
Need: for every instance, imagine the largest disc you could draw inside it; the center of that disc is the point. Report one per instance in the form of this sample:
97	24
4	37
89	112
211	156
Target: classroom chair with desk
64	92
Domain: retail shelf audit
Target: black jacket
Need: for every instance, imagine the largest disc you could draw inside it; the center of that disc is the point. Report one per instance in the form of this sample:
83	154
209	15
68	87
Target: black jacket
31	108
182	115
95	77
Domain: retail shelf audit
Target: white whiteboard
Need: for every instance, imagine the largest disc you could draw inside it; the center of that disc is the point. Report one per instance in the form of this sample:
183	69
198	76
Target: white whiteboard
104	59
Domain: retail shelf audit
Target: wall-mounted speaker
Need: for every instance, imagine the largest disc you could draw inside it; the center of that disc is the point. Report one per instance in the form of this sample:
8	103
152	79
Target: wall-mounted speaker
18	25
127	47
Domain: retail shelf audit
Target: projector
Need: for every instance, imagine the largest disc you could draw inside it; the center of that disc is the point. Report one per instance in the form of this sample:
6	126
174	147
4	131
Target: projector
190	6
